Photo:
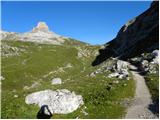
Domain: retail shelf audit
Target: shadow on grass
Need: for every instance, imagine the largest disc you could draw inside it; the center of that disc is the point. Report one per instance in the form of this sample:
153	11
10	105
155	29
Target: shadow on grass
44	113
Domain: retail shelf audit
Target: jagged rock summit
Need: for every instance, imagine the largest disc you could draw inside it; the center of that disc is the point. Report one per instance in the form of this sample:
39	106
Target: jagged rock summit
39	34
41	26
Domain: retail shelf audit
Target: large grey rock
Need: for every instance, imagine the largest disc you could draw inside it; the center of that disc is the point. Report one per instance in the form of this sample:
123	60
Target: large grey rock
59	101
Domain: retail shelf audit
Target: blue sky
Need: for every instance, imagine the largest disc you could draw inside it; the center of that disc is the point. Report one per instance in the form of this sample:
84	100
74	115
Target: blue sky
91	22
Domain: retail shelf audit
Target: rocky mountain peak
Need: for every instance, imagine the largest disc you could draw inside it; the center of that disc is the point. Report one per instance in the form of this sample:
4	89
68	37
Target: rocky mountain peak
41	26
39	34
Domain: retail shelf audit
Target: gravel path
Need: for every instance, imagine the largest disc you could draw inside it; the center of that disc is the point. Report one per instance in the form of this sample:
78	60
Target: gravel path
142	100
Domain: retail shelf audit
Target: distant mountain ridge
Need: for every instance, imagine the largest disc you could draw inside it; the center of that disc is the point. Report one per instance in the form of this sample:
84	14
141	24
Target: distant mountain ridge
40	34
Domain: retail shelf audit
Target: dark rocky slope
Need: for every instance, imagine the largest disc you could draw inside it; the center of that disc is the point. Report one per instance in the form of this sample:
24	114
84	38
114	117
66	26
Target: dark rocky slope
138	36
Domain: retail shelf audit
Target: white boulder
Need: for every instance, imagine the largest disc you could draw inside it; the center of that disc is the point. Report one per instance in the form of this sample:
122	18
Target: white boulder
59	101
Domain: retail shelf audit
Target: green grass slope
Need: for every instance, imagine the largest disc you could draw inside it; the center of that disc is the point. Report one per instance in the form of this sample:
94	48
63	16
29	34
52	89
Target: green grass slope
152	81
35	65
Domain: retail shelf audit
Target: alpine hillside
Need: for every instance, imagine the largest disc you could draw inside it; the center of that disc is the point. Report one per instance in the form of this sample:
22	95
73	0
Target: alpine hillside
47	75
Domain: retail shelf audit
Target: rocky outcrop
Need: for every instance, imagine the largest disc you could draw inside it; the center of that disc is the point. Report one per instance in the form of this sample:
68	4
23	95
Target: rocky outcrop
138	36
58	102
148	62
118	68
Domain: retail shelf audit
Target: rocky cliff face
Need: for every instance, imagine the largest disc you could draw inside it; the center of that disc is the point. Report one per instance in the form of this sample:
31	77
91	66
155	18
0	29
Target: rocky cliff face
138	36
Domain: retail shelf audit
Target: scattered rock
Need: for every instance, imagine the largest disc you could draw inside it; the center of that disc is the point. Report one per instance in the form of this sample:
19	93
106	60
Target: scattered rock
69	65
92	74
77	118
35	84
116	81
15	96
8	50
2	78
144	65
83	52
26	88
147	62
13	90
124	84
113	75
84	112
121	65
56	81
59	101
155	53
123	74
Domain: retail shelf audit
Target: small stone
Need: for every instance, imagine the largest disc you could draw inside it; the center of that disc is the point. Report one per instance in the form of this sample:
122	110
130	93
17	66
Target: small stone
15	96
127	78
84	112
125	84
13	90
26	88
77	117
92	74
56	81
2	78
113	75
116	81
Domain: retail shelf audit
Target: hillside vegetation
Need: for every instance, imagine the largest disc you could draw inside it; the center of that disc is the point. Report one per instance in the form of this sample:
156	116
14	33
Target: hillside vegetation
29	67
